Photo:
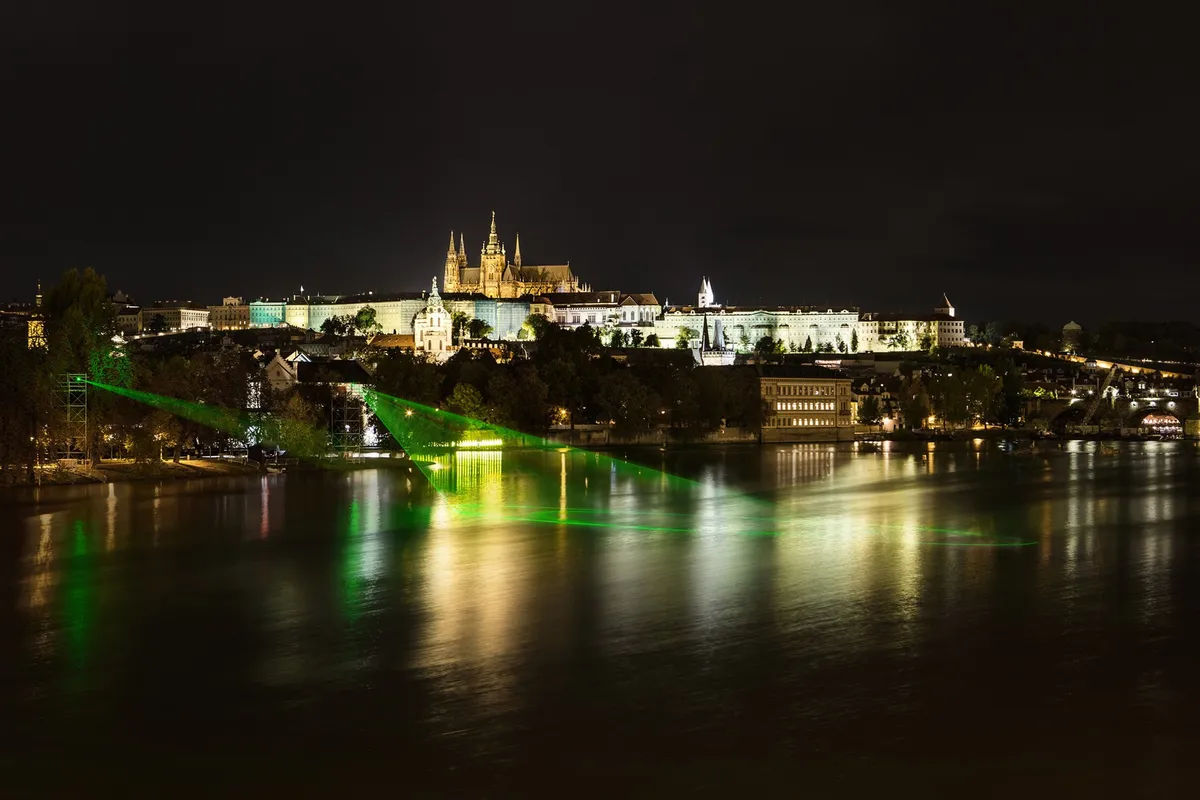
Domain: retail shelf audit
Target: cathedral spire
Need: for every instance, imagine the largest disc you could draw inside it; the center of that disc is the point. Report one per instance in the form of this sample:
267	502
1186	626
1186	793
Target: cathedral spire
517	254
493	246
462	250
452	253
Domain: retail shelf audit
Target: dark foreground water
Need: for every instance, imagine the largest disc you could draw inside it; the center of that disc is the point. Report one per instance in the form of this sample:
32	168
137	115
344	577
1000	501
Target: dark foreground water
795	619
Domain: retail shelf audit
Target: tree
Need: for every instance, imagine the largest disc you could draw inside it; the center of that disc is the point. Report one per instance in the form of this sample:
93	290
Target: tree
22	385
991	334
467	401
365	322
683	339
868	411
949	398
825	347
413	376
767	349
808	347
80	323
519	399
914	403
652	340
841	344
565	383
925	339
854	341
156	324
299	429
1009	406
334	326
478	329
537	325
458	324
982	387
628	403
617	339
635	337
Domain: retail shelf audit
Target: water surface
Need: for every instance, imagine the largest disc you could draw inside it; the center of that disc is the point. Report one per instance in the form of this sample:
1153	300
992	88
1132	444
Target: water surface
794	618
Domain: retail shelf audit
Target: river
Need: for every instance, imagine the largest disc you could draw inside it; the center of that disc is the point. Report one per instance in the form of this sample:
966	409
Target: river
932	619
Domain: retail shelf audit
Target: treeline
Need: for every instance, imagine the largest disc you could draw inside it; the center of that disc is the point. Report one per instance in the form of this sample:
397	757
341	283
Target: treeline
1167	341
570	378
80	328
968	387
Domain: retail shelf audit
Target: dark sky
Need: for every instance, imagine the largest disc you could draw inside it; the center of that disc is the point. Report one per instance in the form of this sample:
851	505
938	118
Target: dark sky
1034	161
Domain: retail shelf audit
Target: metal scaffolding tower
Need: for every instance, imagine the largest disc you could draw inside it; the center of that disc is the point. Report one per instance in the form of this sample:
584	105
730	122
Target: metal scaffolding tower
71	440
346	419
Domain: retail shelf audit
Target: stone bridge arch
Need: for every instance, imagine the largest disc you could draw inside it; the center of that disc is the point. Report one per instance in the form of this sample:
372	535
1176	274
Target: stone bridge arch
1159	418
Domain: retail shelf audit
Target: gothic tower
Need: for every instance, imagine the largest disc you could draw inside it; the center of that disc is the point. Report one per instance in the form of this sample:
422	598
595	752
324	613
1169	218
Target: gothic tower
517	254
705	298
450	280
492	261
462	250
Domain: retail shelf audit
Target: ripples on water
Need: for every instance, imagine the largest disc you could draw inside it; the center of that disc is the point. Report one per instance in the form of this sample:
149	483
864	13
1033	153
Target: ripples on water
807	617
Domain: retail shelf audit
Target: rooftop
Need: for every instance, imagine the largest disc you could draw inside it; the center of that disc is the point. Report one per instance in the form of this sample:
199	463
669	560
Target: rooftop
808	371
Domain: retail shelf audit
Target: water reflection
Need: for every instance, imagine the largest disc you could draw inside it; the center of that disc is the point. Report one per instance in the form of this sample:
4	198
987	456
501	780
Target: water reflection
510	570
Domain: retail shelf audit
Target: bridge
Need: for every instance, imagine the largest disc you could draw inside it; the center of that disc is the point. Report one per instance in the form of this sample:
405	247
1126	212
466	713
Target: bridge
1129	365
1145	415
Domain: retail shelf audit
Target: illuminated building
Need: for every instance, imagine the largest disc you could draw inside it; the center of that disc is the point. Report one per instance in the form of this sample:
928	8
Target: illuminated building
432	326
171	317
598	309
883	332
232	315
395	313
743	326
496	277
1071	333
129	320
713	351
805	404
35	328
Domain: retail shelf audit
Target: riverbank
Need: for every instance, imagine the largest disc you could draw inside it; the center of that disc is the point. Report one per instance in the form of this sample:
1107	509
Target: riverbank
127	471
124	471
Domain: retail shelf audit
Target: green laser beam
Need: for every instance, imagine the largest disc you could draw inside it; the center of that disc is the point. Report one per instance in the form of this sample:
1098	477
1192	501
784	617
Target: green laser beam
451	421
217	417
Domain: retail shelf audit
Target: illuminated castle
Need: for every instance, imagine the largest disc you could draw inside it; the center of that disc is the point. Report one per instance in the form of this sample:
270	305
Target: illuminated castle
496	277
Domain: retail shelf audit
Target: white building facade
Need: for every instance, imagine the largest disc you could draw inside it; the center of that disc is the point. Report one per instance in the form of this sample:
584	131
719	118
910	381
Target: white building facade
395	313
172	318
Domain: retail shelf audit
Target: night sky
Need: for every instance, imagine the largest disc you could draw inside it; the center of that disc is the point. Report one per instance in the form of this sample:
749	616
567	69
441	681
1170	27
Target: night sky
1034	161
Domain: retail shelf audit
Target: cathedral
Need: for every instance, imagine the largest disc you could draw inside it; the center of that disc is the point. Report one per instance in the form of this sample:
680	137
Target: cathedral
496	277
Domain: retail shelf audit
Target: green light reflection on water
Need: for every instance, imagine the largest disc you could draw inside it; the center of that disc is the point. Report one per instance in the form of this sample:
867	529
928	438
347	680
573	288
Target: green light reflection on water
352	579
78	604
404	416
604	518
